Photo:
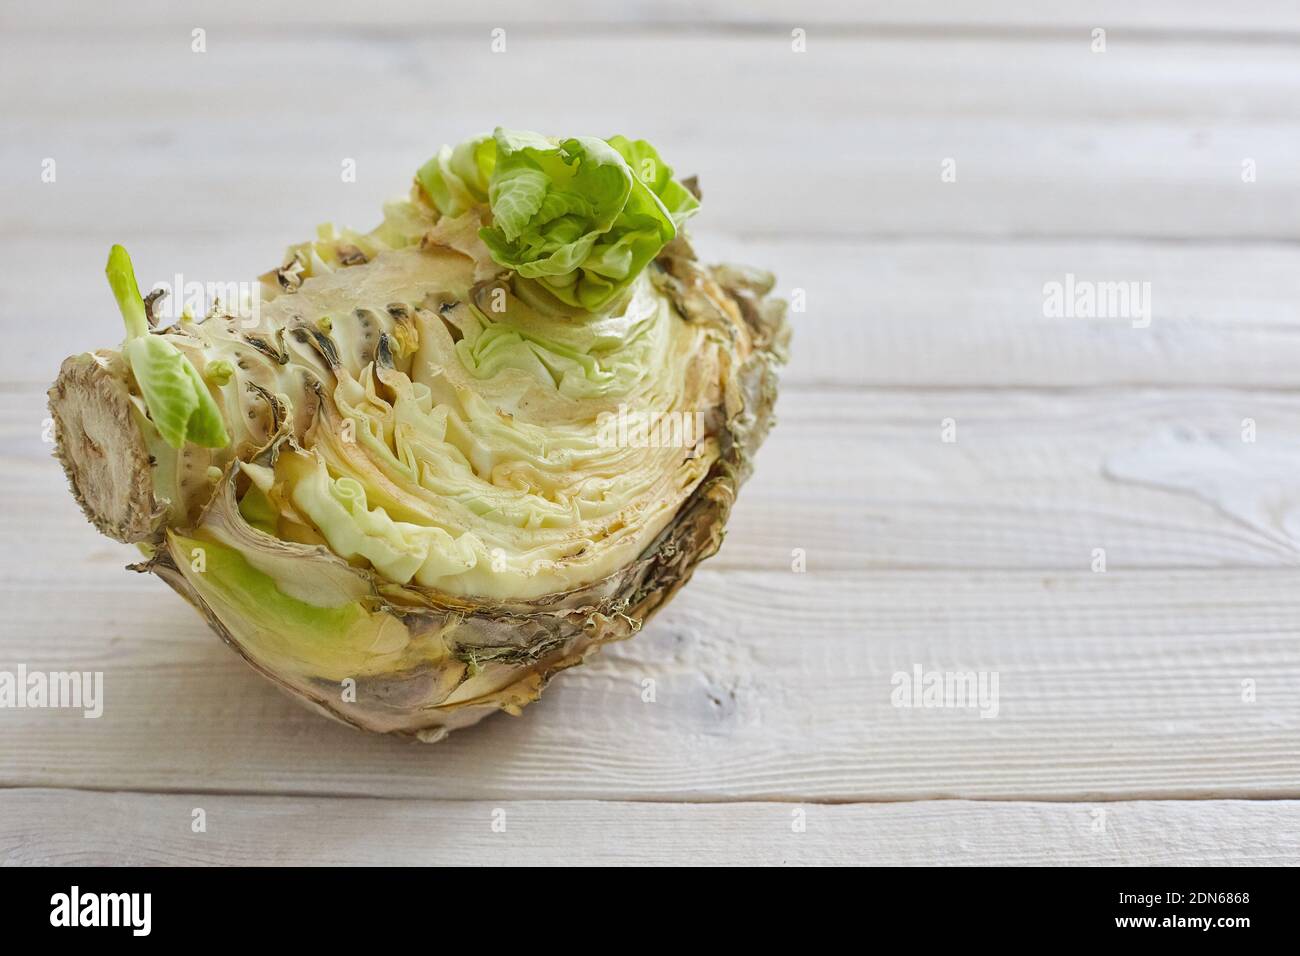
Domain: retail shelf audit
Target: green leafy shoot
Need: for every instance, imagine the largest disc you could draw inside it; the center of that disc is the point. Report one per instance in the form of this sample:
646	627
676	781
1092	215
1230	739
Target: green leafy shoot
580	217
121	276
179	402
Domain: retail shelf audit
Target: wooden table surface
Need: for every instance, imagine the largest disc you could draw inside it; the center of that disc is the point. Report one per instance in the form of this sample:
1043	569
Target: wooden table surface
1149	713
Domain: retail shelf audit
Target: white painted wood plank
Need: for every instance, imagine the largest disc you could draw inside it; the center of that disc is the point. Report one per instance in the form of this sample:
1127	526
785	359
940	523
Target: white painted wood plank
1049	139
155	829
864	480
911	313
771	685
1171	16
1124	685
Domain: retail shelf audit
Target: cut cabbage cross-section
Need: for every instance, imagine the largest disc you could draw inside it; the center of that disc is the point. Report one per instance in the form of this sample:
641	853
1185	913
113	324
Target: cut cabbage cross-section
450	456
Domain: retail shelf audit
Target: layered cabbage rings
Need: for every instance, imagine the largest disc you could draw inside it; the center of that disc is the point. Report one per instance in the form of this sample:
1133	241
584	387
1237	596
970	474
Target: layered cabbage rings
435	463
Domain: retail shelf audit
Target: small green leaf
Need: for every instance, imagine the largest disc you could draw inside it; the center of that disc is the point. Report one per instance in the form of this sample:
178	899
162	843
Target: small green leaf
121	276
517	195
657	175
178	399
179	403
457	179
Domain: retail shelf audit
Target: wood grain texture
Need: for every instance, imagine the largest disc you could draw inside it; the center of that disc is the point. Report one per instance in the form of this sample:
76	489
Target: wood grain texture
155	829
866	482
1049	139
913	314
767	685
1174	674
1159	16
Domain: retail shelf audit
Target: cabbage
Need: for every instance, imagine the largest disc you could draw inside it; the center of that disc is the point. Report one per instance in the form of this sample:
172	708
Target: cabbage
579	218
411	493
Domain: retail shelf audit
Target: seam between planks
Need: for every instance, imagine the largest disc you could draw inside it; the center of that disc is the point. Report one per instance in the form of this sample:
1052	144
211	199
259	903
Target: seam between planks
835	31
1281	796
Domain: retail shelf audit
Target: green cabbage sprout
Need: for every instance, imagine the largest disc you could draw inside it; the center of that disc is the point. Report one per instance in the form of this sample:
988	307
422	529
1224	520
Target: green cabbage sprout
178	399
580	217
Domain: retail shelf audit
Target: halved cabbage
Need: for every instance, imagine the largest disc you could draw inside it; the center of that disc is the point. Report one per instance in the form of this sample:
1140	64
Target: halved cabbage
438	468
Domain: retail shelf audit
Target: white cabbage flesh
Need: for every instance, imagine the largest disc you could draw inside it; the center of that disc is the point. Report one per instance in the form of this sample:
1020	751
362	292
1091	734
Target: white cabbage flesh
494	453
